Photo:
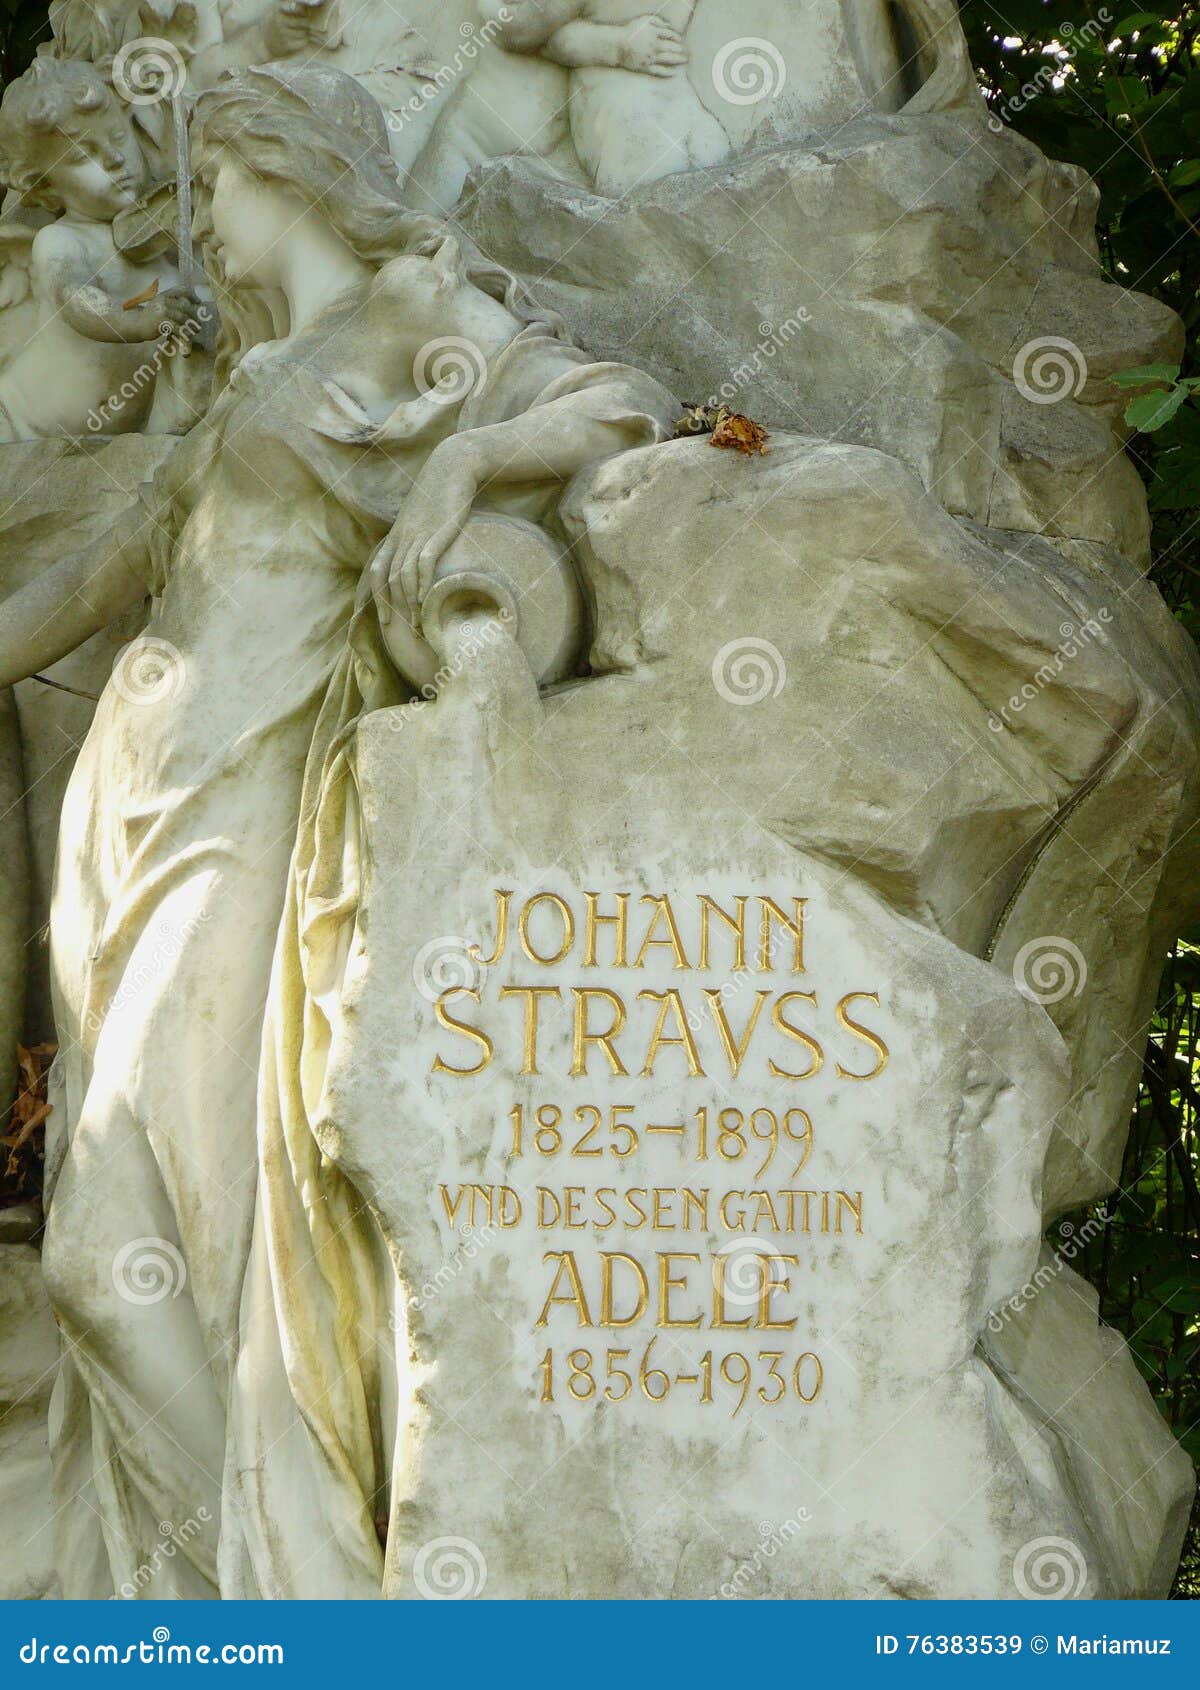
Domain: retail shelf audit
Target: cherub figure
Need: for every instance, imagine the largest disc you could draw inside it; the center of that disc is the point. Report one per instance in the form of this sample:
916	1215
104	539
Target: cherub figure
103	327
632	113
635	116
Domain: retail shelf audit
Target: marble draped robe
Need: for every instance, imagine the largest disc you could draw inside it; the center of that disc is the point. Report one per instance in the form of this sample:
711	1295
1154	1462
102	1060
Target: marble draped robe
173	862
313	1415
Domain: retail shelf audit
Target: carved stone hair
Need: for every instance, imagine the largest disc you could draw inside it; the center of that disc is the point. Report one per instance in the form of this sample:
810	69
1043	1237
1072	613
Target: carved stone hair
317	131
53	97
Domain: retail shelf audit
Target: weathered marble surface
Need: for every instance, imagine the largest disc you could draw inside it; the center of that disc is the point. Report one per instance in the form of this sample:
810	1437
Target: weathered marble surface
28	1363
883	286
903	667
54	496
909	822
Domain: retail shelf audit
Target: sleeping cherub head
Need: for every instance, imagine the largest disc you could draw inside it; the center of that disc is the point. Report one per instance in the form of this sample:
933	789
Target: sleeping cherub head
68	144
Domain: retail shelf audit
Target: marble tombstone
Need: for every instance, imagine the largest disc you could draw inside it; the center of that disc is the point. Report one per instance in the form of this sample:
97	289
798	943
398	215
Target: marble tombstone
585	967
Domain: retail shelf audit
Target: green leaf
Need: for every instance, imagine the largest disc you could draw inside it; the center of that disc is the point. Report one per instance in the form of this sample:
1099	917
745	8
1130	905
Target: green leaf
1151	410
1185	174
1145	373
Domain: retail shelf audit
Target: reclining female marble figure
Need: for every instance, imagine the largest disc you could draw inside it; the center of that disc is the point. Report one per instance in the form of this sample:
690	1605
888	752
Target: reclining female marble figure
179	822
93	362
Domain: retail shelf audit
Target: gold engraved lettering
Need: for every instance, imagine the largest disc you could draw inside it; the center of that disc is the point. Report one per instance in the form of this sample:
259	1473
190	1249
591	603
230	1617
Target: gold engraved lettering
503	903
735	1051
769	1284
584	1036
568	921
877	1045
671	1000
567	1269
663	914
668	1283
797	1033
453	1025
533	996
608	1261
854	1204
736	924
620	922
772	912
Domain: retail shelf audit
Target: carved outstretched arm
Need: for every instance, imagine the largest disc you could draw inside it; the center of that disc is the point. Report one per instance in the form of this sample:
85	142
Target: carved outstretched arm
288	27
550	443
63	274
64	607
525	26
558	30
54	614
98	316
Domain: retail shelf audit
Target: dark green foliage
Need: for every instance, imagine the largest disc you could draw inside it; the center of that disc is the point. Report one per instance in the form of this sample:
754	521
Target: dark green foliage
23	23
1127	107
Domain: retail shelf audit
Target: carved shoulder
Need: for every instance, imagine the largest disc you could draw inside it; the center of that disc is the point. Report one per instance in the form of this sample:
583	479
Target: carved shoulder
57	246
524	26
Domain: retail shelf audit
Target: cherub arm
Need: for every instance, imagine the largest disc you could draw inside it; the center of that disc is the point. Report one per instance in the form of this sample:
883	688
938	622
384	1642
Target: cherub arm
558	30
88	589
63	275
525	26
286	28
57	612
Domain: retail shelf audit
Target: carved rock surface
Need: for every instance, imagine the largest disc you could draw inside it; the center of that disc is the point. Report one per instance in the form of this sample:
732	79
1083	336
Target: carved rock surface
883	286
880	646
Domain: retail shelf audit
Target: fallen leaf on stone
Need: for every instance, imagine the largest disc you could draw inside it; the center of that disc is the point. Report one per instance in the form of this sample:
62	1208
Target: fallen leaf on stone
22	1170
730	430
735	432
143	298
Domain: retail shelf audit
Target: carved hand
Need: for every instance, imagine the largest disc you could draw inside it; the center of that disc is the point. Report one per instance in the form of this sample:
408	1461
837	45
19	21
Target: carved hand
177	310
651	46
434	515
295	26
